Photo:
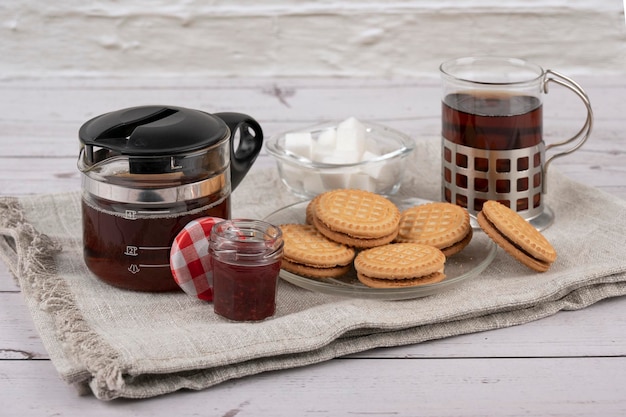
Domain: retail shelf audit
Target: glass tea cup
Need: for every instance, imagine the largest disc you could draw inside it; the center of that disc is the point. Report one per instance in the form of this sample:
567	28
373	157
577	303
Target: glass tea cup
492	134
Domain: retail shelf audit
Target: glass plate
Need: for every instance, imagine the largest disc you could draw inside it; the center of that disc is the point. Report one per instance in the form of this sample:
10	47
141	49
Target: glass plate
466	264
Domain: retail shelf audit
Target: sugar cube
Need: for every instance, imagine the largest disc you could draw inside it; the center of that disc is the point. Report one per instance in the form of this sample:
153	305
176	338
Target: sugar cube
325	145
339	177
372	169
327	139
362	182
299	143
313	184
351	137
341	158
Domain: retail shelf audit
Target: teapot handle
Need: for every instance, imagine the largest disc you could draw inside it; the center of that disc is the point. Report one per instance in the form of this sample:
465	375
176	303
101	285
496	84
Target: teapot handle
249	146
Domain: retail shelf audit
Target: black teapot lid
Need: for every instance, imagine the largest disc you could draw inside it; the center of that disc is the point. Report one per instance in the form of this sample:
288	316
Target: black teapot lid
153	131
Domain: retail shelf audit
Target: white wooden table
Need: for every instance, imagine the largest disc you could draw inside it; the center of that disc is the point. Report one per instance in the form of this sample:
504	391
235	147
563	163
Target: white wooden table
570	364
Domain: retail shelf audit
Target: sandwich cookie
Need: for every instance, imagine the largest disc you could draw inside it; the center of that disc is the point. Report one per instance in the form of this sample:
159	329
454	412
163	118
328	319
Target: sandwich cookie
356	218
443	225
307	252
516	236
310	209
400	265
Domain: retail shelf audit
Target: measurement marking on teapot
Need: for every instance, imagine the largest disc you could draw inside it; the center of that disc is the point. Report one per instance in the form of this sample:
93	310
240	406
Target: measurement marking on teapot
154	247
132	250
134	268
132	214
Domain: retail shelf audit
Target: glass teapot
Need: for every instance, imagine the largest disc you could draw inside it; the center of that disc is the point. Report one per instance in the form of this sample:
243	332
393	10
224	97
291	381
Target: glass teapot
147	172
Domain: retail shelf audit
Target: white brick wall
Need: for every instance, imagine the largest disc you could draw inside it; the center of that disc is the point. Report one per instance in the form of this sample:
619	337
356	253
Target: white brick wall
367	38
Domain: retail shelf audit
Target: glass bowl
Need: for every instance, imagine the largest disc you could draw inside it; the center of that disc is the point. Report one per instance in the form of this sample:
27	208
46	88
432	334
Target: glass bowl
379	168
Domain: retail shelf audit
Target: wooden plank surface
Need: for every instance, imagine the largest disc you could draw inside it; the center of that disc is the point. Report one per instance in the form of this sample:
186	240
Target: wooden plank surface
393	387
572	363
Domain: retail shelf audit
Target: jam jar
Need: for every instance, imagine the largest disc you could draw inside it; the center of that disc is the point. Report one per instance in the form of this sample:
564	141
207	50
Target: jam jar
246	257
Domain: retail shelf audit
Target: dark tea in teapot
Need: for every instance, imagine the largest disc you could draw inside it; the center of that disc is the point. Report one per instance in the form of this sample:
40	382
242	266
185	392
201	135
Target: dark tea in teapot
132	248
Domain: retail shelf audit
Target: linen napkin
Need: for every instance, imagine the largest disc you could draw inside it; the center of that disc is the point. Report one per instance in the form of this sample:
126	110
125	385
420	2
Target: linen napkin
116	343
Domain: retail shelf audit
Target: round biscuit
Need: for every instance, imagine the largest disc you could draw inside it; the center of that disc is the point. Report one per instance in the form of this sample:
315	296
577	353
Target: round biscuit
509	247
521	233
458	246
438	224
357	213
399	261
400	283
305	245
310	209
313	272
348	240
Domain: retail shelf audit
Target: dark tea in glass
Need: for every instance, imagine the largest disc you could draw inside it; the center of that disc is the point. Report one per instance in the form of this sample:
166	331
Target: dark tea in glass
494	121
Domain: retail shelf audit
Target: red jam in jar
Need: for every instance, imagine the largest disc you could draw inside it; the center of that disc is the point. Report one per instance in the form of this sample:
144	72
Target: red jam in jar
246	257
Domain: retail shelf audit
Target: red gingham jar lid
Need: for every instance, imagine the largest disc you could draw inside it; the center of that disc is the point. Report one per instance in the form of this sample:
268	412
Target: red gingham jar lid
190	260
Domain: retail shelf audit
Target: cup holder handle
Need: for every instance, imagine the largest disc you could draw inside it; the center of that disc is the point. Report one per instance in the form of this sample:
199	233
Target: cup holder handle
583	134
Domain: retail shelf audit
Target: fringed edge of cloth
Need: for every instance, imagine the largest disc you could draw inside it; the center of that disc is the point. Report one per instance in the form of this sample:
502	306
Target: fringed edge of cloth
30	256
